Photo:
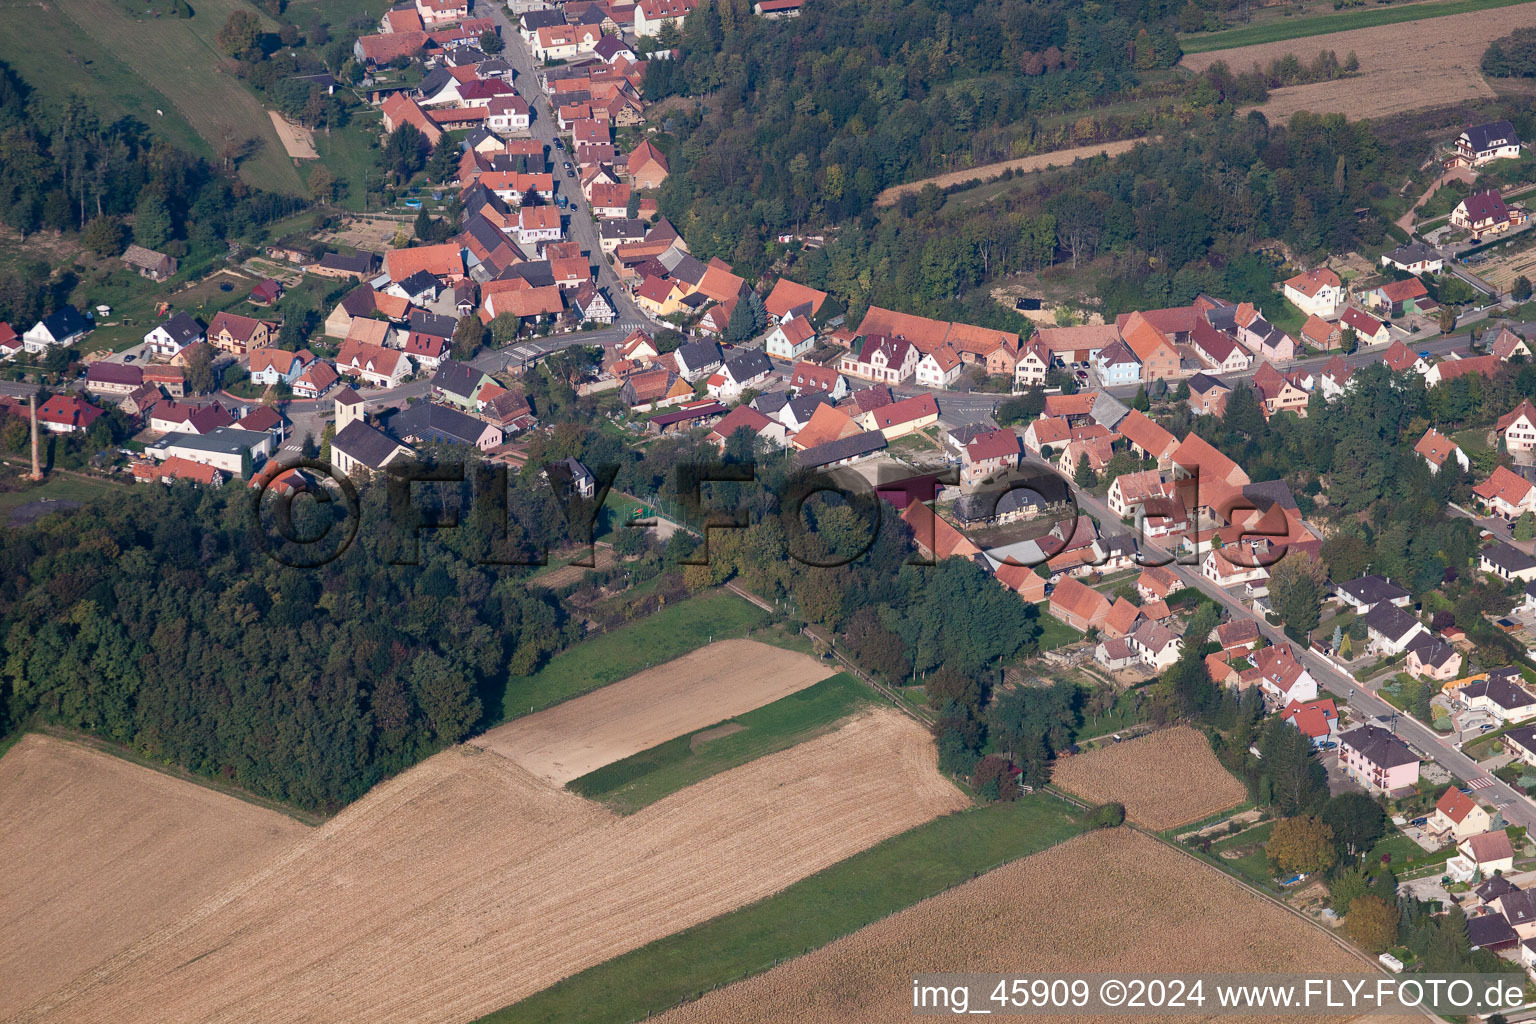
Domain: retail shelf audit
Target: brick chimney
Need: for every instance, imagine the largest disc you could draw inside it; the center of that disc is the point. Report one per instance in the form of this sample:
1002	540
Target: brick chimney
37	469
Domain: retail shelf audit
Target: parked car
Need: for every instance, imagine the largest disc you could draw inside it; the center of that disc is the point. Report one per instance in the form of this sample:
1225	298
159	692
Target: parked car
129	359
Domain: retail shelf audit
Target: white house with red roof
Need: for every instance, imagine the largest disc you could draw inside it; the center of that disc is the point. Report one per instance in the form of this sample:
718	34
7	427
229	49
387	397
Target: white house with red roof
881	358
1282	678
808	377
1460	815
1317	720
1368	330
1318	292
791	339
990	453
1518	427
939	368
1506	494
1436	449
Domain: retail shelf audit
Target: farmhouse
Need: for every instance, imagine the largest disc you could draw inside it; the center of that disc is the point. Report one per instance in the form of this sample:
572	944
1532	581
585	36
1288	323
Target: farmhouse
1378	760
1078	605
156	266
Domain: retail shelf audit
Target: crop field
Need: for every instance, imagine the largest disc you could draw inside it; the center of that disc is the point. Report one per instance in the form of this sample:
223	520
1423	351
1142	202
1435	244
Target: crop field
1501	271
1283	28
1109	901
1406	66
170	62
466	884
99	852
641	779
1164	779
678	697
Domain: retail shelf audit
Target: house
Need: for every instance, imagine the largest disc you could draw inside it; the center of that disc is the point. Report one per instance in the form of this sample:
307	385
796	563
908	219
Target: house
1333	378
790	339
67	414
270	366
660	296
647	166
939	368
398	109
901	418
444	262
1319	333
1415	258
442	12
1518	427
156	266
174	418
537	224
809	378
1521	742
1483	143
592	304
1154	643
989	453
1391	629
1267	341
263	417
1485	213
789	299
746	370
1460	815
104	378
381	367
1429	657
1317	720
1116	365
177	468
1217	349
1033	364
1208	395
1282	678
59	329
507	115
1378	760
1400	298
1114	654
1481	856
1078	605
1500	694
1460	366
1507	562
236	334
1156	583
171	379
651	15
697	359
430	423
1435	448
1506	494
316	379
1367	592
1506	344
459	384
1147	439
1318	292
880	358
358	448
1155	350
654	389
1368	330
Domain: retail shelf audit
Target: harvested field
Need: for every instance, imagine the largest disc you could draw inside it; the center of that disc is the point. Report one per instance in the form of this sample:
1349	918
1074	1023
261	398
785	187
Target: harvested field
565	575
99	852
1038	162
296	139
1501	271
1164	779
466	884
1407	66
697	690
1110	901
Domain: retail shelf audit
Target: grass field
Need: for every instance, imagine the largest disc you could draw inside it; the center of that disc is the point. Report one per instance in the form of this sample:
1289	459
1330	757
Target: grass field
144	64
1053	632
1322	24
814	911
1250	861
644	778
609	657
57	487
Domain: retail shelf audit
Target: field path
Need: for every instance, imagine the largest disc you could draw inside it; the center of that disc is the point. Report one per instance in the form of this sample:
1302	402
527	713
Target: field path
99	852
1038	162
465	884
713	683
1431	62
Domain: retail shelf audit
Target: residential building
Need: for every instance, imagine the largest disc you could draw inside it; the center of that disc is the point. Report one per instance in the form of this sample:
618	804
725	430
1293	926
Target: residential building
1159	359
1507	562
939	368
59	329
1282	678
697	359
1367	592
104	378
880	358
1500	693
1378	760
808	377
988	454
1485	213
1507	344
901	418
1460	815
1317	720
1484	143
236	334
1391	629
173	334
1319	333
1368	330
789	299
790	339
1116	365
1400	298
67	414
430	423
1415	258
1318	292
746	370
1506	494
1435	449
651	15
1429	657
1481	856
269	366
1518	427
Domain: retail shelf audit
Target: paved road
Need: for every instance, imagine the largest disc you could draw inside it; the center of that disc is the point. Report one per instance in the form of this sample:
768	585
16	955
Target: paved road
1517	809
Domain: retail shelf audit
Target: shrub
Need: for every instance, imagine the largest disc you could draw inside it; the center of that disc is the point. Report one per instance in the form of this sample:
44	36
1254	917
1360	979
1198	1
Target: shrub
1107	815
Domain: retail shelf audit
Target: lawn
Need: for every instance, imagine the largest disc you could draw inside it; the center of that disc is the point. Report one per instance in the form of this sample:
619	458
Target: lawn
57	487
642	779
1322	24
1254	862
670	633
1053	632
864	888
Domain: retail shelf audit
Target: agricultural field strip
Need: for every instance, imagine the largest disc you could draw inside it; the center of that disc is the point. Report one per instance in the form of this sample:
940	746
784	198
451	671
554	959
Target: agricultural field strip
699	689
1114	900
1023	165
1330	24
99	852
1165	779
466	884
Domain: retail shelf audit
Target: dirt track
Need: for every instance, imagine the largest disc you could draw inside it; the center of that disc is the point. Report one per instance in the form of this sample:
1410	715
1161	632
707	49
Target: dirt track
466	884
296	139
1112	901
1407	66
709	685
1038	162
98	852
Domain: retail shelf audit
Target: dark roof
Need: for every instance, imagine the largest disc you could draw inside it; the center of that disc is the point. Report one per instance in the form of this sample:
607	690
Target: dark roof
103	372
622	229
1268	493
1033	491
537	273
694	412
698	354
1414	252
1488	136
1495	887
435	324
1508	557
770	402
1490	930
568	471
428	421
1500	690
1378	746
366	444
1519	906
1432	651
65	321
1200	383
183	329
802	407
360	263
844	448
1390	621
748	365
483	231
1373	590
435	81
457	378
535	20
420	282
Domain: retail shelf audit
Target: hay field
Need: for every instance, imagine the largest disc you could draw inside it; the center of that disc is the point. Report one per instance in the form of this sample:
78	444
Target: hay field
99	852
1164	779
466	884
1426	63
706	686
1109	901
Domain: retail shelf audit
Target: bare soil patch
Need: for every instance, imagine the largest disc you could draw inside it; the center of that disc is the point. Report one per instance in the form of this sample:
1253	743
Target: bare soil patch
718	732
985	172
465	884
1407	66
1164	779
296	139
602	558
1113	901
99	852
709	685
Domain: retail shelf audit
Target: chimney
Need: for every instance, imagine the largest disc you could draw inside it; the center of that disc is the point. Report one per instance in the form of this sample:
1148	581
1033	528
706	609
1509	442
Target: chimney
37	470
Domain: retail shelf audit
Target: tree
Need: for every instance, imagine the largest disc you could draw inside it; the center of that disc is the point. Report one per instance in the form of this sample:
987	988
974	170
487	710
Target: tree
1357	822
1107	815
288	34
1302	843
1296	592
151	219
404	151
444	163
240	36
1521	288
1525	527
505	328
200	378
1347	886
740	326
468	337
1371	923
491	42
1141	402
1348	340
1084	475
446	695
1448	316
104	236
322	183
993	779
